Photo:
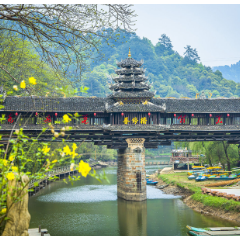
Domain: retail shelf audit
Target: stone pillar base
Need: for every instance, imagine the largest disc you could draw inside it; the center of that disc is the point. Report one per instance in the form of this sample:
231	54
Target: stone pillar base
131	196
131	174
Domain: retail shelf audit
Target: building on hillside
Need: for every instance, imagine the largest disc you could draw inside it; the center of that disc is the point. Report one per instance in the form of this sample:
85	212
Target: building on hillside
183	156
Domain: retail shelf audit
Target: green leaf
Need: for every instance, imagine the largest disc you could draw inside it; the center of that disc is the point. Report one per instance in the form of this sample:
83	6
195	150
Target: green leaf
35	184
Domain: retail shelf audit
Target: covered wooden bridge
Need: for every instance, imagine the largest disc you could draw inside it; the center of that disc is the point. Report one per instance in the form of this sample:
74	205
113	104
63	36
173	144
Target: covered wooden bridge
130	119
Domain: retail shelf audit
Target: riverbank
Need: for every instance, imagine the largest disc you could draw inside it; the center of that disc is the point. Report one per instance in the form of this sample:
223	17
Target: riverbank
178	184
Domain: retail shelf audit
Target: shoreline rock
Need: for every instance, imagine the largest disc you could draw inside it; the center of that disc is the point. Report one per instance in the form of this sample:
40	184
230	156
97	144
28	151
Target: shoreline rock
197	206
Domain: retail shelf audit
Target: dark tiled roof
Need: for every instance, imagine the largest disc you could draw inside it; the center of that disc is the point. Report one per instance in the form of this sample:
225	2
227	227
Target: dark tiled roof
130	79
42	104
130	71
130	94
122	86
135	108
129	62
200	105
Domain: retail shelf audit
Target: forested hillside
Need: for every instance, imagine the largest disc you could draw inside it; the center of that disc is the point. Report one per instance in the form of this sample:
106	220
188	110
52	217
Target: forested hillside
230	72
171	75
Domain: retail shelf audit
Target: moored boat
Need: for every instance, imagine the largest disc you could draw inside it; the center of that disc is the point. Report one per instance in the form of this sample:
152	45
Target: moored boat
201	178
214	231
151	182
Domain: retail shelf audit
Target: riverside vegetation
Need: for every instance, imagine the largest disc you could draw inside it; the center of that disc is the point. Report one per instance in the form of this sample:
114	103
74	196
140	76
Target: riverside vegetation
193	190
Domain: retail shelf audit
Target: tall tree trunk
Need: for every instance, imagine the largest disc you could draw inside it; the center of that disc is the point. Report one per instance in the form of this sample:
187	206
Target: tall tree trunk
225	146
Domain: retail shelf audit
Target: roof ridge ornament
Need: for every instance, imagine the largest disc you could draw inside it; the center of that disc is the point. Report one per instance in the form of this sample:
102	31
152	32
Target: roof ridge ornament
129	54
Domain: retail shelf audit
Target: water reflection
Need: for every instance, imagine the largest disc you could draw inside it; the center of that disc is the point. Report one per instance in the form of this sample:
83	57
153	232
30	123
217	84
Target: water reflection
132	218
90	208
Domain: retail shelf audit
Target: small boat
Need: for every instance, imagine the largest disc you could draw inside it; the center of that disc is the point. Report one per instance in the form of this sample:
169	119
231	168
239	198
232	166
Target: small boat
224	178
191	177
201	178
151	182
214	231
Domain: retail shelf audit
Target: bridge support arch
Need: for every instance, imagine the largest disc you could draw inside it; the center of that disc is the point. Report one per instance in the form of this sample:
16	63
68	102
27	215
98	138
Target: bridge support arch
131	173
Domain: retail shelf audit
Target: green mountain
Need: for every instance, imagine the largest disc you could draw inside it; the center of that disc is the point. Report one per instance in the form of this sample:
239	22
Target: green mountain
171	75
230	72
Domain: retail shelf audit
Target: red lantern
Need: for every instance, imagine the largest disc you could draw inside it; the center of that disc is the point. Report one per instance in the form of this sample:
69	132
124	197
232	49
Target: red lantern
228	114
149	114
56	114
174	114
210	115
95	114
36	113
16	114
192	114
122	114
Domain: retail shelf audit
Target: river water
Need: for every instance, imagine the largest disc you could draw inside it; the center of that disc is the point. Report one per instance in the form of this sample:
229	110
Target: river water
90	208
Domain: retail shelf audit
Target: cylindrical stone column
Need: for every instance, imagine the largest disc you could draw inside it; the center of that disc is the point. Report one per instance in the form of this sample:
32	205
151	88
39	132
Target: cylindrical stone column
131	174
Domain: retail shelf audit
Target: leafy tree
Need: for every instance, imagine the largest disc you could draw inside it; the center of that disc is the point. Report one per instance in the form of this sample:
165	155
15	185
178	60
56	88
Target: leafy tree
165	41
191	55
65	33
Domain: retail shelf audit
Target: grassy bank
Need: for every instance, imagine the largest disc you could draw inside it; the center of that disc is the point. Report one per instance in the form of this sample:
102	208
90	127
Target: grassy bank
180	180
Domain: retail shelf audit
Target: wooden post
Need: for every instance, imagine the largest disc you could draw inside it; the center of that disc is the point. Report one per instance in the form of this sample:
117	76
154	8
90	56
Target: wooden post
39	228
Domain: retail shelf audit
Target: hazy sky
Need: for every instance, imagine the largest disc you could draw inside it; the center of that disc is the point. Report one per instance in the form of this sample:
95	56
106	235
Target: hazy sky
214	30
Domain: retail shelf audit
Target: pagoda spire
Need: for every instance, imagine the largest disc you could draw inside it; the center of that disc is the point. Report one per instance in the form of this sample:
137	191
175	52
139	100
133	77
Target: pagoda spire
129	54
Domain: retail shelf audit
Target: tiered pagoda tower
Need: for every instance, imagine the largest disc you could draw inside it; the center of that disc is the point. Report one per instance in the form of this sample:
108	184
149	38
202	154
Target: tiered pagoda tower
131	95
131	86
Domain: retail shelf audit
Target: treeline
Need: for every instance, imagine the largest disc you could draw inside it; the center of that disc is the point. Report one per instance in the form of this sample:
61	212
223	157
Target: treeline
214	153
171	74
230	72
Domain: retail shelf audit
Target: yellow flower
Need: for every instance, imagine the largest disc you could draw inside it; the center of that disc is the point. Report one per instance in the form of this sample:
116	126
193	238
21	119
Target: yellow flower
74	146
84	168
15	87
5	162
10	176
11	158
54	161
135	120
67	150
143	120
66	118
126	121
45	150
22	84
4	210
74	154
15	169
32	80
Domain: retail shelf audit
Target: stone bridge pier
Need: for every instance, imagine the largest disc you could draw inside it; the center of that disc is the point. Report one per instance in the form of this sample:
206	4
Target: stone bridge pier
131	173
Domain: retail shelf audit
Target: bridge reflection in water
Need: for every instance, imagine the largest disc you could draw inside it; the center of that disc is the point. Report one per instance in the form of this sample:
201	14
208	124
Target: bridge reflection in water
132	218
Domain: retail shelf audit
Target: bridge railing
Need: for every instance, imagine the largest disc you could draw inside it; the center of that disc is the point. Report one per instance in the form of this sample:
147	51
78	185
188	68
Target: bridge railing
53	172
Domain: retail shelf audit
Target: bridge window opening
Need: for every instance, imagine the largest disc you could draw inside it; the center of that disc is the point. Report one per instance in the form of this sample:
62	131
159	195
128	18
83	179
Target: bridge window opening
27	119
181	119
228	121
236	120
168	121
139	182
44	118
98	121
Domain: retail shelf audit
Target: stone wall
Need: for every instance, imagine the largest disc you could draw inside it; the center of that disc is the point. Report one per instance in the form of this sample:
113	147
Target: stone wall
131	174
184	159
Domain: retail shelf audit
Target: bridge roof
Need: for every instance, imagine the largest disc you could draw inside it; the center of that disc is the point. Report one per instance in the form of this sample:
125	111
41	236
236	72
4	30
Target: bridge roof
91	104
214	105
50	104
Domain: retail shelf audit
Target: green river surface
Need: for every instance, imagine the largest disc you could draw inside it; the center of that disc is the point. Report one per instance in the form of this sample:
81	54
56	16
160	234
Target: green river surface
90	208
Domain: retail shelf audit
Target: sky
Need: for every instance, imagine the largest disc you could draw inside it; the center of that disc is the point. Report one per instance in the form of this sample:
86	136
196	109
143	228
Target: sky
212	29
